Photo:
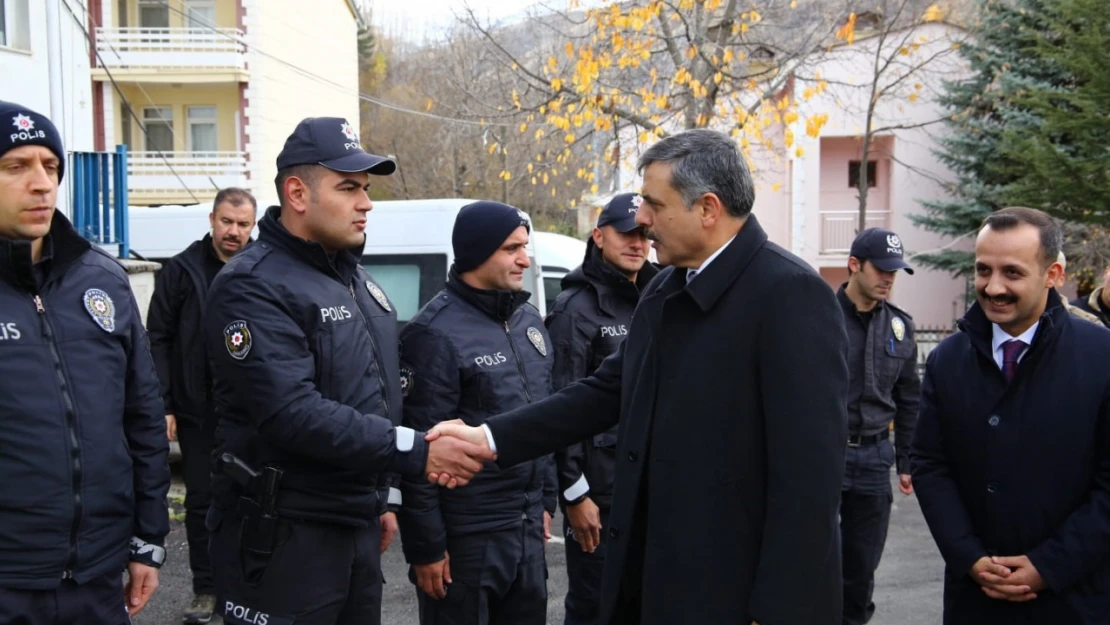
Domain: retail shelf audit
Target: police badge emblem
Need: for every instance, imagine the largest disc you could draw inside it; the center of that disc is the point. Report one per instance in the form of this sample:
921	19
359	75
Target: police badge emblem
408	378
101	309
237	338
536	337
899	328
379	295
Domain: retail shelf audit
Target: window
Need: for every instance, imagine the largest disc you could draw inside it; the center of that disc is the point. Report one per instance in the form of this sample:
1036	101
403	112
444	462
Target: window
853	174
159	128
153	14
410	280
15	25
202	128
869	21
552	287
200	14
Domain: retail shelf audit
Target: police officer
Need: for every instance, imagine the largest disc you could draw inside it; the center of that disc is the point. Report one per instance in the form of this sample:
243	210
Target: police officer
174	322
303	348
588	321
82	438
883	387
477	349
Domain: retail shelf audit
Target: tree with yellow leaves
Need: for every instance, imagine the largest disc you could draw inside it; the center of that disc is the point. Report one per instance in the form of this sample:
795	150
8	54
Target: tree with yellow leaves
628	72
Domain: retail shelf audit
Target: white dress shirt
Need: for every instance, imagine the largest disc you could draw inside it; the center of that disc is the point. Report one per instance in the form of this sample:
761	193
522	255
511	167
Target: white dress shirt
691	273
1000	336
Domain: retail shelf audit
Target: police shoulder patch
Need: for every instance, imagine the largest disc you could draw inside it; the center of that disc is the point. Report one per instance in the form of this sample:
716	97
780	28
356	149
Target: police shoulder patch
899	327
100	308
408	378
237	338
536	337
379	295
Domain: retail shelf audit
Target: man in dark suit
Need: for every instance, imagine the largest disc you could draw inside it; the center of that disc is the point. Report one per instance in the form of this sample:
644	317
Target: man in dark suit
731	392
1011	458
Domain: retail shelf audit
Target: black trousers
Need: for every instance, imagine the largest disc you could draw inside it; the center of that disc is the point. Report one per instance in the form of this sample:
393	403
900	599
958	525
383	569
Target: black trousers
498	578
197	443
583	601
97	602
318	574
865	500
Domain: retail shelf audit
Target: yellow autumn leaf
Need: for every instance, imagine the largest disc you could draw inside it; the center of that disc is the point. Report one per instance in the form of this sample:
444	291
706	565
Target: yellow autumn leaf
529	167
790	117
523	128
539	134
776	186
428	105
545	178
799	152
788	138
493	147
847	32
904	51
718	77
557	84
593	188
506	175
569	49
913	97
933	14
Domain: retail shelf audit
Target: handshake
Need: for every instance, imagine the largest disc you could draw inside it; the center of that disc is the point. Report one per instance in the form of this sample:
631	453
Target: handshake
456	452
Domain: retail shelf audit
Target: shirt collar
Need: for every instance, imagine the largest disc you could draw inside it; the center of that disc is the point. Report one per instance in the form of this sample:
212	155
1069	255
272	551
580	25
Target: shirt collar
691	272
1000	336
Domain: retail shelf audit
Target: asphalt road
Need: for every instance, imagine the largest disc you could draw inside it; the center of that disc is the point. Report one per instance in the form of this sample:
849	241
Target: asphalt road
907	586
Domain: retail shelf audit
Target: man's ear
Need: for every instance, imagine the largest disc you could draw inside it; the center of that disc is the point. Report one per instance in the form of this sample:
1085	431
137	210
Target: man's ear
712	209
1055	274
597	237
296	194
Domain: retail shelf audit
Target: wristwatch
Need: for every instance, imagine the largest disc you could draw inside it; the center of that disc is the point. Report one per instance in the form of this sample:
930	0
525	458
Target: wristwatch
146	553
579	499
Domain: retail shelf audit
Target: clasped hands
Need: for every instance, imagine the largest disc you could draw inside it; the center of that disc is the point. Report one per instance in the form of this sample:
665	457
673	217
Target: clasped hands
456	452
1008	578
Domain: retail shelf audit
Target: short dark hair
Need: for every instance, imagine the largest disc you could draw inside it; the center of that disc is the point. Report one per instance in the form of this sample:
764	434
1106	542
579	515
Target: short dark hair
235	196
308	174
1052	235
705	161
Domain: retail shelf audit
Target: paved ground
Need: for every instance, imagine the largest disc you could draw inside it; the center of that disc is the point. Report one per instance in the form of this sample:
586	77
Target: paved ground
908	584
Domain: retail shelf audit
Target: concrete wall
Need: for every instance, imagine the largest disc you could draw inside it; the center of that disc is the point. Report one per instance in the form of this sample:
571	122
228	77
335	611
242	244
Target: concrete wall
323	42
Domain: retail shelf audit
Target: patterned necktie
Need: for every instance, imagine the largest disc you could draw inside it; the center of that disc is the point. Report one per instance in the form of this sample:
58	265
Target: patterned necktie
1011	351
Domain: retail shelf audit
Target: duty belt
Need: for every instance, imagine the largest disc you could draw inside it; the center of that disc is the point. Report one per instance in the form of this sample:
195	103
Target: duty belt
859	441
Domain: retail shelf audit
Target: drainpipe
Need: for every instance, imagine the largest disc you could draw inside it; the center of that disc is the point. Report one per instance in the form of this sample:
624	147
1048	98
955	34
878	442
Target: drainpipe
57	101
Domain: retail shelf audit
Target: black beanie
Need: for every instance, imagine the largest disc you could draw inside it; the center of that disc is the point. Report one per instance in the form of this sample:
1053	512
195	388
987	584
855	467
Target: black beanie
481	228
20	126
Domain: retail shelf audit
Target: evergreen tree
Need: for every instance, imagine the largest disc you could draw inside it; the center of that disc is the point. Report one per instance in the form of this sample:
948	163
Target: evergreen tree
1064	167
999	61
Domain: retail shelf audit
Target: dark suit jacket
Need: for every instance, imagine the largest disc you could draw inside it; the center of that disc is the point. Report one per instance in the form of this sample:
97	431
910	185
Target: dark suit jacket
1020	468
731	395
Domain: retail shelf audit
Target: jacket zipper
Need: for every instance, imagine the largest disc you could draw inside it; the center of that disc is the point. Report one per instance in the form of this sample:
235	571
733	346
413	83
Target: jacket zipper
71	423
373	346
519	362
528	395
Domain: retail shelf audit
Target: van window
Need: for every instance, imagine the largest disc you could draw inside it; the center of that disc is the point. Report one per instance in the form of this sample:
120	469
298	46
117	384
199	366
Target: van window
552	287
410	280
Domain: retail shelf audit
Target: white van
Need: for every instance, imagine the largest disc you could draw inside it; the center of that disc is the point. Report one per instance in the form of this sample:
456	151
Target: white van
559	255
408	246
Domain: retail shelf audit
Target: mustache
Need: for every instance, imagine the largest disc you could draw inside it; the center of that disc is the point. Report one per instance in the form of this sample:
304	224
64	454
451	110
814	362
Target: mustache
651	236
998	299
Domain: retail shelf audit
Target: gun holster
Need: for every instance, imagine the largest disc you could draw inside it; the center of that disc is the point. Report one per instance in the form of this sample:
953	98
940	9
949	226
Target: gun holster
261	529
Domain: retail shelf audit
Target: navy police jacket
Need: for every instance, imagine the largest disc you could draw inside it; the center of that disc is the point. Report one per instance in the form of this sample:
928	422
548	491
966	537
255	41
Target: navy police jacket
471	354
82	431
303	353
589	320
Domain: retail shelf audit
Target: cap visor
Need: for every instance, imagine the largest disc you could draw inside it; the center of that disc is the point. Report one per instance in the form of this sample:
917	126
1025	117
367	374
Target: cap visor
362	161
892	264
623	226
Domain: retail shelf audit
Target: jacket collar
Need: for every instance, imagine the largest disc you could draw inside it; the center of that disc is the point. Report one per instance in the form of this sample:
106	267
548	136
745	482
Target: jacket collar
850	307
341	266
498	304
17	267
610	285
980	330
715	279
1095	302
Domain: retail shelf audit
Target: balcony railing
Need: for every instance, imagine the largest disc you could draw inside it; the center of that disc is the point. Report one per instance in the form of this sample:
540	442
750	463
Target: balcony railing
197	171
839	228
172	47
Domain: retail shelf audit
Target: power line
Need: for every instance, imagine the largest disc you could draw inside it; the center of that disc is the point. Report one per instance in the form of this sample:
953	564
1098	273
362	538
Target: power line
308	74
119	91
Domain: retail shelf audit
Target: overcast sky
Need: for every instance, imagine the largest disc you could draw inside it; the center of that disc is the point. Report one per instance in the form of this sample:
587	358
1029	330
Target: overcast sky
420	18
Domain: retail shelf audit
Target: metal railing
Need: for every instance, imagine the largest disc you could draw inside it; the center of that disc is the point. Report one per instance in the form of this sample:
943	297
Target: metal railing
839	228
171	47
150	171
98	187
